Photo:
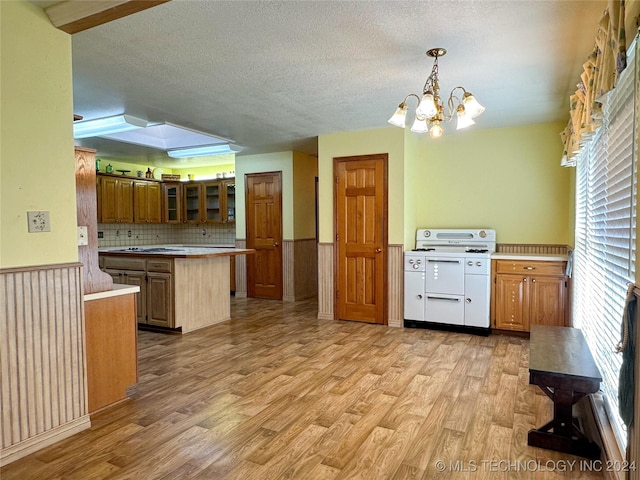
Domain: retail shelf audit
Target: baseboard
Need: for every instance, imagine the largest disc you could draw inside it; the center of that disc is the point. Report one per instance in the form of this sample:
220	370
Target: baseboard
241	294
325	316
33	444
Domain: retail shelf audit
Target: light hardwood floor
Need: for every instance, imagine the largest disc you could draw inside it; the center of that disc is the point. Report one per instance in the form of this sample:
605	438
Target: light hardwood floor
277	394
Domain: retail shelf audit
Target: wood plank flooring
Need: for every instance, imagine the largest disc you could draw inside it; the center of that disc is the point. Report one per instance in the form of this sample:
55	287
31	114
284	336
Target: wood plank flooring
277	394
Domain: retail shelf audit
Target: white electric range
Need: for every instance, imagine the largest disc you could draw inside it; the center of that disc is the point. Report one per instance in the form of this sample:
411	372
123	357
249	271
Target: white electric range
447	279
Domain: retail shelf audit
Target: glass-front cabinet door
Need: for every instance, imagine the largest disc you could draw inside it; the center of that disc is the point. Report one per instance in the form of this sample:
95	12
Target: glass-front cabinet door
172	202
231	201
192	203
212	201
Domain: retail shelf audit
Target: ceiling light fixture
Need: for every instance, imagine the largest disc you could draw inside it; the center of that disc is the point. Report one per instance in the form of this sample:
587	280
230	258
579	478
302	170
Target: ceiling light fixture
107	125
202	151
430	112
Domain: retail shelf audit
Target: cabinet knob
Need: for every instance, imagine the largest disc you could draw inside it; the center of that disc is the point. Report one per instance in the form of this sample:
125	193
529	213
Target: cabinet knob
524	279
533	280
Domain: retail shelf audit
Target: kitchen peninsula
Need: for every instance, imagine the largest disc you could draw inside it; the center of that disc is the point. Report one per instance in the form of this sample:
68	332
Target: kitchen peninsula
181	288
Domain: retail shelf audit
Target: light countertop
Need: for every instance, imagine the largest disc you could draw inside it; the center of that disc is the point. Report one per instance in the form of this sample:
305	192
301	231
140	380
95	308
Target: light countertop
529	256
177	251
116	291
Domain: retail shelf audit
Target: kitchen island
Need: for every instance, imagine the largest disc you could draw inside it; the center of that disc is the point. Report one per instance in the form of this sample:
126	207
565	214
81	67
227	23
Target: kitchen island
181	288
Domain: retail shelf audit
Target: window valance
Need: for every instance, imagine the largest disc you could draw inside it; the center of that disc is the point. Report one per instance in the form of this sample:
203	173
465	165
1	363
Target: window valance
600	74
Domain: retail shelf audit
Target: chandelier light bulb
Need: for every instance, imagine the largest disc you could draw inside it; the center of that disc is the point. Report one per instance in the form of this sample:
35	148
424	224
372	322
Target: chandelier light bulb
436	130
464	119
427	107
420	125
399	118
432	109
471	105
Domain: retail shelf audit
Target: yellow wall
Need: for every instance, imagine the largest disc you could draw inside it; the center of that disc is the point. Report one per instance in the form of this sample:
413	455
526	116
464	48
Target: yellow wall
298	190
203	172
305	171
37	166
386	140
269	162
507	179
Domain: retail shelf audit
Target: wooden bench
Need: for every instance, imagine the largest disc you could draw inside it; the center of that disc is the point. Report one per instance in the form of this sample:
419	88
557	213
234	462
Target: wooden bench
561	364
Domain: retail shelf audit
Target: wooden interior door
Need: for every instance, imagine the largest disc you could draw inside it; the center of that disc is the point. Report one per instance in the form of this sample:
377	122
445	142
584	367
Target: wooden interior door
360	202
264	234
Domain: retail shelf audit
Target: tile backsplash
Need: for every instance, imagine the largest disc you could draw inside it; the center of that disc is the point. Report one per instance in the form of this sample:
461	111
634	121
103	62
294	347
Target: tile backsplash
133	234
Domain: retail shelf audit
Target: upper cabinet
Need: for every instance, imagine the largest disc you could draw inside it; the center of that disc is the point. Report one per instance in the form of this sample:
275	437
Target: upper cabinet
172	202
209	202
147	200
115	199
132	200
128	200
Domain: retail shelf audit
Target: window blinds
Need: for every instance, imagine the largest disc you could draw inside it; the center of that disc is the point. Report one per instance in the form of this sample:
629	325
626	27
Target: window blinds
605	235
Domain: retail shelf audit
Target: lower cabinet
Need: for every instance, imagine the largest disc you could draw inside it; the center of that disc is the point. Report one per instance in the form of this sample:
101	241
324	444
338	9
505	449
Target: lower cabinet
155	300
159	299
529	293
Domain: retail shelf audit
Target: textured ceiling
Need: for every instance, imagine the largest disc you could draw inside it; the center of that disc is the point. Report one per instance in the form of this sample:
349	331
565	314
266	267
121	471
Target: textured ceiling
274	75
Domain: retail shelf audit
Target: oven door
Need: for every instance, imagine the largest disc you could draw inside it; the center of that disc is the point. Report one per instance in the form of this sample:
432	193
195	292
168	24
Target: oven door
442	308
445	275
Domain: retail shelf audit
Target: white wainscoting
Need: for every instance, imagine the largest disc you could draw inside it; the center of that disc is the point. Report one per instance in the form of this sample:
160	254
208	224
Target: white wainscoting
241	270
42	358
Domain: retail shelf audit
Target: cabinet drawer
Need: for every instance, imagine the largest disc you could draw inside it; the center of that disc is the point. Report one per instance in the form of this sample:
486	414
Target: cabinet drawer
124	263
159	265
530	268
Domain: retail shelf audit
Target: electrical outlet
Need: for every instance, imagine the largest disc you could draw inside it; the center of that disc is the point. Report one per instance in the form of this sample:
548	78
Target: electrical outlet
38	222
83	236
100	234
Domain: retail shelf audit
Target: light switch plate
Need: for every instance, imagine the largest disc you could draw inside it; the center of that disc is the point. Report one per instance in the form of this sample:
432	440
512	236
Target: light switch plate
83	236
39	221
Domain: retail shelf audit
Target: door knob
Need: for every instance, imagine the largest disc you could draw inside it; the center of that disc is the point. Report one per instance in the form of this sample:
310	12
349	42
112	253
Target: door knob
378	250
275	244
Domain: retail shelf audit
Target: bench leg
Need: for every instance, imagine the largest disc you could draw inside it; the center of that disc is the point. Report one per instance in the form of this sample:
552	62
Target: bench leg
564	432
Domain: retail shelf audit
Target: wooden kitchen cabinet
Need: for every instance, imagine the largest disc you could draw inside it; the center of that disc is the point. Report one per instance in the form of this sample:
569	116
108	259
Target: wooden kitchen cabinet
115	199
111	349
147	200
529	293
154	277
159	299
131	277
209	202
182	292
229	193
172	202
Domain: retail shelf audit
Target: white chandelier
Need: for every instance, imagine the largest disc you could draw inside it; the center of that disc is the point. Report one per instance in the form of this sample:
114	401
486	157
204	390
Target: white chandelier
431	112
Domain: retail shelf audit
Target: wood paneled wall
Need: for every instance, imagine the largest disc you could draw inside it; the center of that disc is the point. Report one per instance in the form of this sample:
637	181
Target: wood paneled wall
540	249
299	261
325	281
42	357
395	283
241	270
